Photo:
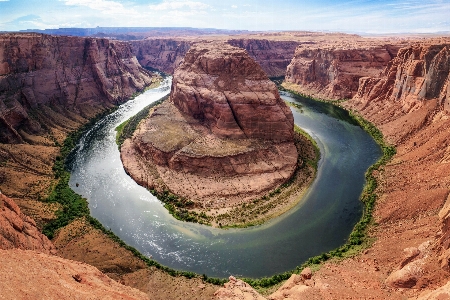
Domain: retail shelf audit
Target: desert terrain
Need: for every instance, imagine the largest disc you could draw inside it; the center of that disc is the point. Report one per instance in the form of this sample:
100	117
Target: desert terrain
400	84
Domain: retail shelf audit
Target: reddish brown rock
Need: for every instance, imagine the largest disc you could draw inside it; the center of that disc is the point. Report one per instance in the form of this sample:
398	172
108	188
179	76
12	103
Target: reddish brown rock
227	91
333	71
19	231
224	134
60	77
236	289
419	72
166	54
273	56
161	54
32	275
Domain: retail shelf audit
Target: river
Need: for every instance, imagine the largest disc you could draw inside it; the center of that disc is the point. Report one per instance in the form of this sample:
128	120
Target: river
322	220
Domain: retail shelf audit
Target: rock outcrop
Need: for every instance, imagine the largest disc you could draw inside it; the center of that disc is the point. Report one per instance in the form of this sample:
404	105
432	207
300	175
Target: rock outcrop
19	231
46	79
224	134
332	71
32	275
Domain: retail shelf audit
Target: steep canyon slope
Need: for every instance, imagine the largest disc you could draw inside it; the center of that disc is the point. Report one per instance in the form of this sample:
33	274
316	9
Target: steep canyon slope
166	54
332	71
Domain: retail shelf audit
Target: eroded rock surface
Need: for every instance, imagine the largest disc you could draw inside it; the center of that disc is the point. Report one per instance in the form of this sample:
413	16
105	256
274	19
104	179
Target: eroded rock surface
32	275
167	54
48	81
19	231
333	71
225	135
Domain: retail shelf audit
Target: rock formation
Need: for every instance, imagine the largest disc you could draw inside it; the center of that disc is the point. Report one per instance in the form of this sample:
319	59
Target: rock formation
32	275
224	134
167	54
59	75
161	54
19	231
419	72
332	71
273	56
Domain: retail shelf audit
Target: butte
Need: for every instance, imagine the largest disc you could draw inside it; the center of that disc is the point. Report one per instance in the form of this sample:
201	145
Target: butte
223	139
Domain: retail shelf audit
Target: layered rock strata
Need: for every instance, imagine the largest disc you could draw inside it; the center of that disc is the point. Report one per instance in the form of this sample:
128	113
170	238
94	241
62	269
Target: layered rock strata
166	54
225	136
273	56
333	71
161	54
56	80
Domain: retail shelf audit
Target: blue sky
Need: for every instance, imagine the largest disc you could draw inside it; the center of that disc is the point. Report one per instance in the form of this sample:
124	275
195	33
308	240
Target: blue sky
385	16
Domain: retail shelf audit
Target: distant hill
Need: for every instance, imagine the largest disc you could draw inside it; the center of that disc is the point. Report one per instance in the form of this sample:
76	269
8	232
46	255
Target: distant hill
136	33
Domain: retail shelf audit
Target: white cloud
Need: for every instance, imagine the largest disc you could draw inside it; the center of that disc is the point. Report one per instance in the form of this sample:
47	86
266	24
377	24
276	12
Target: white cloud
105	6
179	4
234	6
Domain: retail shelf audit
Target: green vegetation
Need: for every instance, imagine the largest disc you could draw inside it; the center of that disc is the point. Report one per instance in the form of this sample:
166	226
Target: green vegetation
74	206
285	196
127	128
177	207
312	162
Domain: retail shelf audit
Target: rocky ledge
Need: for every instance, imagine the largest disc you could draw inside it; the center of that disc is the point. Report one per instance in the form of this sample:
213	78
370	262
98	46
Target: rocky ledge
224	138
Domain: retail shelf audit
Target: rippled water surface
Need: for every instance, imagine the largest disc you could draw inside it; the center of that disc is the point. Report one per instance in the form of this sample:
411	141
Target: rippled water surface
322	221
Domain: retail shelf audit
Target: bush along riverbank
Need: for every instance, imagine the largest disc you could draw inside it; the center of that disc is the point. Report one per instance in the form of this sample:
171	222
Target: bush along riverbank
276	202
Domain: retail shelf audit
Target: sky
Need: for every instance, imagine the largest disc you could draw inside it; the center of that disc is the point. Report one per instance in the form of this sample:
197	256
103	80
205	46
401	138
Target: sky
361	16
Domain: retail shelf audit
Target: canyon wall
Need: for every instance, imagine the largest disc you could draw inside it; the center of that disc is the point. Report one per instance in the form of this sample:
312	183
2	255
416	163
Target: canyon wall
161	54
419	72
333	70
166	54
273	56
61	75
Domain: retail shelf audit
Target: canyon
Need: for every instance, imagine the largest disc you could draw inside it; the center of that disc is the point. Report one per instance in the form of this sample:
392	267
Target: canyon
401	85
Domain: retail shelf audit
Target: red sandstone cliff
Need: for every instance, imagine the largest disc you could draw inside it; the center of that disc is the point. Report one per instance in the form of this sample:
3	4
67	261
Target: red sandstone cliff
332	71
167	54
419	72
410	257
273	56
61	75
161	54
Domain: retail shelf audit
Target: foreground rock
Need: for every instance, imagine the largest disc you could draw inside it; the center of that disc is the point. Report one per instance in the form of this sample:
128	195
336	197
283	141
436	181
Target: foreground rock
224	137
19	231
32	275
